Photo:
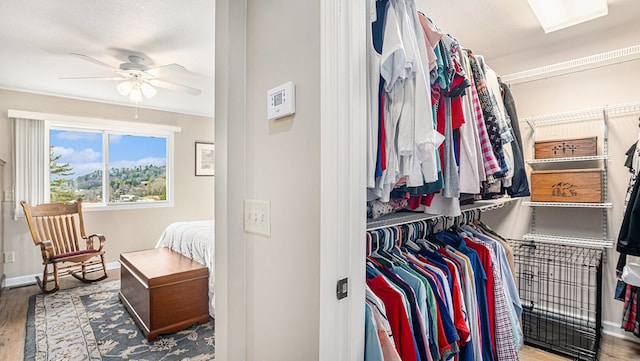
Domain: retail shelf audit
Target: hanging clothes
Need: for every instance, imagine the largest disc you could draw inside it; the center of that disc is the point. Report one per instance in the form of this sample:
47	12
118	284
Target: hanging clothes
447	295
629	242
629	235
380	346
519	186
437	126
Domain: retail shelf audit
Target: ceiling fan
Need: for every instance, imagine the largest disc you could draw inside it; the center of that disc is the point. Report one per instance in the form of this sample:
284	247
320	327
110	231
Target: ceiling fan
138	79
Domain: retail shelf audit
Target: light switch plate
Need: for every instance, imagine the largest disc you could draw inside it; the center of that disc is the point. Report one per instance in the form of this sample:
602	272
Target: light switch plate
257	217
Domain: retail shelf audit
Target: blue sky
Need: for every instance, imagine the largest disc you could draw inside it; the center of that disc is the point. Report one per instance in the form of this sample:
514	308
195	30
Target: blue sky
83	150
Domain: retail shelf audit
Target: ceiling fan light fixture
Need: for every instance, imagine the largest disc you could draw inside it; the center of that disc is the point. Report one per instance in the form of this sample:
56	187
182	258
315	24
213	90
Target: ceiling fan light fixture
124	88
135	89
147	90
135	95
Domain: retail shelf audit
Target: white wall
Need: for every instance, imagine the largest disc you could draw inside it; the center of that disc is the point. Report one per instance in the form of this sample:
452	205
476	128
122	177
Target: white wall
283	166
269	285
125	230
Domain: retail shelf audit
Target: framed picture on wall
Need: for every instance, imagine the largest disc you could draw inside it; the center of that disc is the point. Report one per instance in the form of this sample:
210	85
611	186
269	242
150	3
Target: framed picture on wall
205	159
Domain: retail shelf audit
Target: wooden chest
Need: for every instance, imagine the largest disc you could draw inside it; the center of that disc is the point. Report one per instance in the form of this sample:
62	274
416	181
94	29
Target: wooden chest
566	148
164	291
570	186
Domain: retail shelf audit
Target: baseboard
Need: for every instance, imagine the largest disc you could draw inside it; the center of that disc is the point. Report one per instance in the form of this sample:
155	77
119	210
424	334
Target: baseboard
27	280
614	329
2	285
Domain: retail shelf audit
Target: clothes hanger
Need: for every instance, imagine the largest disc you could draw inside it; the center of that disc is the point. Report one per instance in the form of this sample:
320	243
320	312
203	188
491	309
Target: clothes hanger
372	262
375	241
424	226
415	229
471	216
471	222
379	252
399	234
427	238
428	243
394	251
434	226
459	228
453	228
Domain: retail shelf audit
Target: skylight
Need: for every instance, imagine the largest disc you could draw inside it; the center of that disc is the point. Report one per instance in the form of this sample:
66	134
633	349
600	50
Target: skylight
559	14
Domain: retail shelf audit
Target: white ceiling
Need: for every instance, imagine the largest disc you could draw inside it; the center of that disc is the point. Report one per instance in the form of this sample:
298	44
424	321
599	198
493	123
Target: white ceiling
38	35
508	35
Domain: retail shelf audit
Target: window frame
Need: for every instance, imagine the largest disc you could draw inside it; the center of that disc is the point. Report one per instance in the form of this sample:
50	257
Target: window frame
53	121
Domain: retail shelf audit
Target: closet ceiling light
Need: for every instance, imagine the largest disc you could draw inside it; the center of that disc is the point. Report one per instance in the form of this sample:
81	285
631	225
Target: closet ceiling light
559	14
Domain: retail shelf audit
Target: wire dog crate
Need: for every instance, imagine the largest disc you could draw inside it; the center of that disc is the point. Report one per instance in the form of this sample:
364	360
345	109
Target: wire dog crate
560	288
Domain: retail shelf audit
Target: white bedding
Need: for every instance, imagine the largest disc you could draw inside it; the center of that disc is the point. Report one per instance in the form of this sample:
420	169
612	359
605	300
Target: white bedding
193	239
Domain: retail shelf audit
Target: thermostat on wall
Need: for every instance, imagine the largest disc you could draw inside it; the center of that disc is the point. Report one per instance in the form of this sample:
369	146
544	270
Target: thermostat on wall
281	101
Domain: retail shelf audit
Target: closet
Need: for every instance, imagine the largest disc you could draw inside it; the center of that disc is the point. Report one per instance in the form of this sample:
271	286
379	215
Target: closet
561	263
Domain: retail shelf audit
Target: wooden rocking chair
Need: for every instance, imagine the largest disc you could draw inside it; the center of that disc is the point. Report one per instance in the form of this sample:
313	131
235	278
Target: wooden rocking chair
58	229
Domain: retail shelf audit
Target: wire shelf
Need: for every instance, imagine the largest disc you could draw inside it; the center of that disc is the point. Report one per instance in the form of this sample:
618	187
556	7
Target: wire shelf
568	159
568	241
585	63
622	109
585	114
567	205
396	219
572	116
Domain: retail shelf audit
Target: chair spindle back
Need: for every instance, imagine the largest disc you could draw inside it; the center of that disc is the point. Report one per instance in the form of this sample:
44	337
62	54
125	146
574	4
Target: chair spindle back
60	223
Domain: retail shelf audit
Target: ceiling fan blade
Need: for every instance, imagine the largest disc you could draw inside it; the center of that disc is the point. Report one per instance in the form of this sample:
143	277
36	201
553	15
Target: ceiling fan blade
173	86
94	78
166	69
92	60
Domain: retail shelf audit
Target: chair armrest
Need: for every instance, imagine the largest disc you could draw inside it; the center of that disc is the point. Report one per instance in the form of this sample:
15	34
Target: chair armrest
100	238
46	248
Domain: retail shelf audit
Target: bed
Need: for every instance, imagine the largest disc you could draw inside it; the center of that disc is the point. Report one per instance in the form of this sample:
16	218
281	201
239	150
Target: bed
193	239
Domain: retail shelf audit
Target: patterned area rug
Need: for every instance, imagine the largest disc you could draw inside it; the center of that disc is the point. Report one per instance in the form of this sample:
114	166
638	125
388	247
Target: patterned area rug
90	323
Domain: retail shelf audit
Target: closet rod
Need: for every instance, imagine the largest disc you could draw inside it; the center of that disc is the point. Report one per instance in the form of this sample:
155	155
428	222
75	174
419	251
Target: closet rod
585	114
480	206
573	66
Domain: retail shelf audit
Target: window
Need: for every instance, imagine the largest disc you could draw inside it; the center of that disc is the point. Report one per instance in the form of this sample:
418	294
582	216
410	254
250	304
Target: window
136	166
109	164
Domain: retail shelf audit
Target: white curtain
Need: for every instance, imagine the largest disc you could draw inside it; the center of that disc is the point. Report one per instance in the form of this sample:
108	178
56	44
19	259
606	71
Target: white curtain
30	156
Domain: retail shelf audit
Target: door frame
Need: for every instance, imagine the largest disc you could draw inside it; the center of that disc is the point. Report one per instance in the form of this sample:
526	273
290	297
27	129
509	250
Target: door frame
343	170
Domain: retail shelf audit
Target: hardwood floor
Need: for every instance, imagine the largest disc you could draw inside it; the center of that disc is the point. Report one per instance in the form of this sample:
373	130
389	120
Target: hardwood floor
13	315
613	348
